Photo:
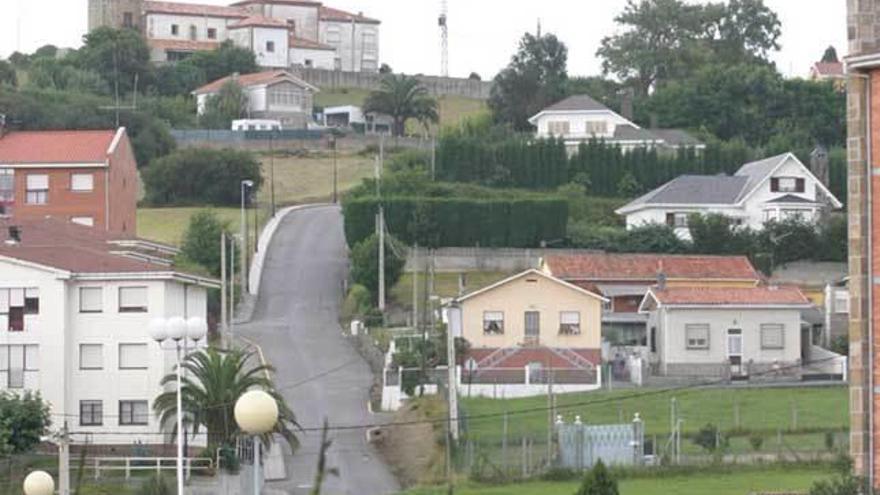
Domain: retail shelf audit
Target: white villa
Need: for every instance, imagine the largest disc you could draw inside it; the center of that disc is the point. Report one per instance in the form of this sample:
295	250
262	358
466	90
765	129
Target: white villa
580	118
775	188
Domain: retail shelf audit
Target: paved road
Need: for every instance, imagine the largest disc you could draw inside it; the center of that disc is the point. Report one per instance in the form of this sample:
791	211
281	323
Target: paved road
296	321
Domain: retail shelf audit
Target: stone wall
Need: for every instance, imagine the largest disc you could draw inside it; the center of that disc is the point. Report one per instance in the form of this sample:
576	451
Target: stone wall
436	86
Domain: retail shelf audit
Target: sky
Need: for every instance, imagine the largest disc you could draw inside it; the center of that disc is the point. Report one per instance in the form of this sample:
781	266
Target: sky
483	34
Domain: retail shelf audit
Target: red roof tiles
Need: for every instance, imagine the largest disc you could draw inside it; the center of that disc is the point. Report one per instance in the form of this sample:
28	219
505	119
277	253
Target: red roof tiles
260	21
731	296
193	9
331	14
628	267
55	146
829	68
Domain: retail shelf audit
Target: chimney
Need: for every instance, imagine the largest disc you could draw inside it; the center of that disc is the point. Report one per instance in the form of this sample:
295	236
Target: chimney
819	164
14	235
626	103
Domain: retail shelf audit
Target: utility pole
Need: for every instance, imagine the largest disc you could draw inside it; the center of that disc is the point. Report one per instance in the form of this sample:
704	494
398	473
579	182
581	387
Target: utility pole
433	157
381	224
64	462
452	330
224	322
415	285
272	168
232	293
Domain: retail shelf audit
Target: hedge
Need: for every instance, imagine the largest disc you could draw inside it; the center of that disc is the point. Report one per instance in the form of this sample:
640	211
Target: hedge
436	222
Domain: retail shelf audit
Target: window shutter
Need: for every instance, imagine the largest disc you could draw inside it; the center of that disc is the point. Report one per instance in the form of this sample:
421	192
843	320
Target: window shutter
800	185
132	297
16	298
132	356
774	184
91	356
91	298
81	182
37	182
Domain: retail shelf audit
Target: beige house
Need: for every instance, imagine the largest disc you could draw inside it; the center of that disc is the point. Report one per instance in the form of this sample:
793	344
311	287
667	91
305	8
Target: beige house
528	327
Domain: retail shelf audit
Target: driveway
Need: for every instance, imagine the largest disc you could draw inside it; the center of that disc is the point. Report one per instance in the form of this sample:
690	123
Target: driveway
296	321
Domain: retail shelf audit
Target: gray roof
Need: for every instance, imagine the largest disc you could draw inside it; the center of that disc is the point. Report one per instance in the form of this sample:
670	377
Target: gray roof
756	171
576	102
676	137
791	198
810	273
632	133
696	189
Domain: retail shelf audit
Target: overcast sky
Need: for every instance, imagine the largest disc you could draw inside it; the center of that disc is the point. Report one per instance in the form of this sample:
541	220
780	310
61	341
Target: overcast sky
483	33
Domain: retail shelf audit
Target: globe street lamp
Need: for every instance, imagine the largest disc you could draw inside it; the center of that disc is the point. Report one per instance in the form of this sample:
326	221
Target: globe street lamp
39	483
256	413
178	330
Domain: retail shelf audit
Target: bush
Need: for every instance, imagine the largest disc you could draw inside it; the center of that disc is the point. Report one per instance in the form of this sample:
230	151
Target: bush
200	176
365	264
709	438
201	242
756	441
598	481
24	420
358	302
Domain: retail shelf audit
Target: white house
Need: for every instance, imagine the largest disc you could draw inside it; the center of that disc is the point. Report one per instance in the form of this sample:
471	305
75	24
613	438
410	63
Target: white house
274	95
355	38
308	53
175	31
775	188
737	332
580	118
268	38
75	304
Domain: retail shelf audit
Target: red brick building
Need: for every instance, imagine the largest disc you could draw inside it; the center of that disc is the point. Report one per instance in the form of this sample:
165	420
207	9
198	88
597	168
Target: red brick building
87	177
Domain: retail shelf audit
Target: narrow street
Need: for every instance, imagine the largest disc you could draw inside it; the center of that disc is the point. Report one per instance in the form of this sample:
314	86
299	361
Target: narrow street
296	321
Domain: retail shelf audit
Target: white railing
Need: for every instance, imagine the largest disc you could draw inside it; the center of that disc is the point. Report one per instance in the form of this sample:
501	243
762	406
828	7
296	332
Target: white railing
157	464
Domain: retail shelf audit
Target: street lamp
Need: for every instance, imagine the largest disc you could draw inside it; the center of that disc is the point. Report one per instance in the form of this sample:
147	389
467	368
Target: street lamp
335	167
178	329
39	483
247	183
256	413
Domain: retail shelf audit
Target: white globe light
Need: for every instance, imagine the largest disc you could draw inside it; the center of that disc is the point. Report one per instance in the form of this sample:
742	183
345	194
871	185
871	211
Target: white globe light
196	328
176	327
256	412
158	329
39	483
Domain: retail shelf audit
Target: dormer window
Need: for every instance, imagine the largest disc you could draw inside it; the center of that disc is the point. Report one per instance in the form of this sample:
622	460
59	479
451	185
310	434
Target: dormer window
787	185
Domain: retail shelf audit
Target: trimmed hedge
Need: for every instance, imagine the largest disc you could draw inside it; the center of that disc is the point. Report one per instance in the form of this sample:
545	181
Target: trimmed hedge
455	221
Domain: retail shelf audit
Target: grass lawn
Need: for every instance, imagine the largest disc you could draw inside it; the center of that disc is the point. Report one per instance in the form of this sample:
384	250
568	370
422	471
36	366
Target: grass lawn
775	479
445	284
167	225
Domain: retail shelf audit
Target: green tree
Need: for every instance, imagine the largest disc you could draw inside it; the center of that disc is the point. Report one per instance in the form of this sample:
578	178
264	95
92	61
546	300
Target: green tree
7	74
46	51
201	241
150	137
718	234
535	77
214	380
651	238
118	55
830	55
24	420
49	73
598	481
226	60
402	97
843	483
200	176
230	103
19	60
365	264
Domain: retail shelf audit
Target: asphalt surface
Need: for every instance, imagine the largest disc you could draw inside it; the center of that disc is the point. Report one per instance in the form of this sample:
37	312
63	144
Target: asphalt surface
296	322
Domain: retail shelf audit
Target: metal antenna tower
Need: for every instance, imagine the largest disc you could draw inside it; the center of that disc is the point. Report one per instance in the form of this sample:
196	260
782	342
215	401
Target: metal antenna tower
444	38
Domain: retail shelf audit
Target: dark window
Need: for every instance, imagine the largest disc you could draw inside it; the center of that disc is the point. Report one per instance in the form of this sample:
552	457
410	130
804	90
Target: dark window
654	340
270	46
193	33
16	319
127	20
175	29
787	184
212	34
133	412
31	302
91	413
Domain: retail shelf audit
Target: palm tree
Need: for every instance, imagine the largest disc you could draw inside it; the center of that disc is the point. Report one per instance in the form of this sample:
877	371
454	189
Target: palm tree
214	380
402	97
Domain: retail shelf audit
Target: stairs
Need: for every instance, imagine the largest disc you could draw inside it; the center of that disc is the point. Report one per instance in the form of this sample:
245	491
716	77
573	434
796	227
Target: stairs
496	357
572	357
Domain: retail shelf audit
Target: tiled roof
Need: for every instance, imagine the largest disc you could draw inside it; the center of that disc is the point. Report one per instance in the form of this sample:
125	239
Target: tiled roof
731	296
260	21
605	267
55	146
296	42
183	45
331	14
194	9
829	68
255	79
307	3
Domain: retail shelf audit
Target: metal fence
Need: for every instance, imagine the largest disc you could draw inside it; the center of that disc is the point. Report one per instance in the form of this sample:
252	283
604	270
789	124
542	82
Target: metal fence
184	136
581	446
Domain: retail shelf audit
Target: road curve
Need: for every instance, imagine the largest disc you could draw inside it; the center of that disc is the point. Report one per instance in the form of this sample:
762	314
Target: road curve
296	322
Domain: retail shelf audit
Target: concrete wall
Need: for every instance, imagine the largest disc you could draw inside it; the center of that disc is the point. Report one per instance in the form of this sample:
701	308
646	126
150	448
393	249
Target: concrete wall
437	86
159	27
357	45
307	57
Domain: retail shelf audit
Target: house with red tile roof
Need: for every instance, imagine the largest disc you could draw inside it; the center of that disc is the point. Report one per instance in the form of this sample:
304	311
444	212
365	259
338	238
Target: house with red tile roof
736	333
87	177
75	307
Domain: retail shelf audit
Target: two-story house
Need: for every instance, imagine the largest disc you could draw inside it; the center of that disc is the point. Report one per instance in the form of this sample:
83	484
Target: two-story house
86	177
75	306
580	118
624	279
775	188
276	95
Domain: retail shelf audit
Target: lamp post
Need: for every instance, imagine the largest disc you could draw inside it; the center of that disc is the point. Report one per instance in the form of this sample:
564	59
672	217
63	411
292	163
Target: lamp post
38	483
247	183
178	329
256	413
335	168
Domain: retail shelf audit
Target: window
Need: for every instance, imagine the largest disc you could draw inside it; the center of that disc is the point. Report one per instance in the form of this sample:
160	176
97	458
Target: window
37	192
7	185
569	323
127	20
15	360
270	46
772	336
91	413
32	301
596	127
285	98
841	301
677	220
132	356
607	306
82	182
132	299
91	356
91	299
697	336
87	221
370	42
212	33
133	412
787	184
493	322
790	214
193	33
333	37
558	127
175	29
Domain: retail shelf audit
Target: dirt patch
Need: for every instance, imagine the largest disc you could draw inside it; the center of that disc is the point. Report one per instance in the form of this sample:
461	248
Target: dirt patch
414	451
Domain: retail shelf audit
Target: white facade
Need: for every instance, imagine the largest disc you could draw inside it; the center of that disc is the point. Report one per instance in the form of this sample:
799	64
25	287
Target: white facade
357	45
304	18
88	346
577	125
269	44
313	57
187	27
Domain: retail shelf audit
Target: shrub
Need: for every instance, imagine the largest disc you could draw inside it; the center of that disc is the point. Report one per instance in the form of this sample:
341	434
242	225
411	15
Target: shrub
598	481
365	264
201	242
358	302
156	485
200	176
24	420
756	441
709	438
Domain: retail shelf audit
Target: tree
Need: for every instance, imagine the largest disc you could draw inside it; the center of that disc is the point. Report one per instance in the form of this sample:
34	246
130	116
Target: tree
201	242
365	264
402	97
19	60
385	69
214	380
717	234
7	74
49	73
651	238
24	420
230	103
226	60
46	51
598	481
830	55
118	55
535	77
150	137
475	77
200	176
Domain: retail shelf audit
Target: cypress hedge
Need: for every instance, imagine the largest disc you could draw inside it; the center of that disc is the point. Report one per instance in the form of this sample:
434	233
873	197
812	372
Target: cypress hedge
457	221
